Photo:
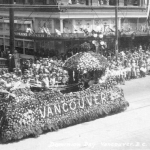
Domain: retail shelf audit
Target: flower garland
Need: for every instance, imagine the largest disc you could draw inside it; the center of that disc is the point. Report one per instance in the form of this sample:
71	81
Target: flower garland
34	113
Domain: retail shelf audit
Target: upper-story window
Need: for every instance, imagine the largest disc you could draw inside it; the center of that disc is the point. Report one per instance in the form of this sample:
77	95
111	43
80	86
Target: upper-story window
4	1
82	2
40	2
122	2
1	26
104	2
19	1
132	2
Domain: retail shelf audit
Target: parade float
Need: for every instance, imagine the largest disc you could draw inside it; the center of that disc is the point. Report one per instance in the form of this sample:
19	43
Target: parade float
25	113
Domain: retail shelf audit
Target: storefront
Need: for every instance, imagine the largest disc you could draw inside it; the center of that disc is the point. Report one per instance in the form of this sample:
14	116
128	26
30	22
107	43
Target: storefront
134	32
72	32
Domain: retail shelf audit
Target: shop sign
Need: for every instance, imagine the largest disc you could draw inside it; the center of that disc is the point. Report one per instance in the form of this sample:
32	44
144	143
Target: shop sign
78	25
106	26
17	21
21	33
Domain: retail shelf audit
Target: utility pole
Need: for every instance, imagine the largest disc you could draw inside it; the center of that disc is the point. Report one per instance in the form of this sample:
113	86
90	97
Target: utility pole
116	33
11	21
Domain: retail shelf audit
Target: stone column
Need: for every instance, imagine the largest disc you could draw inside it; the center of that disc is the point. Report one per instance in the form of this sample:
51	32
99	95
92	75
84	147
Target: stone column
119	23
73	23
61	26
33	25
53	24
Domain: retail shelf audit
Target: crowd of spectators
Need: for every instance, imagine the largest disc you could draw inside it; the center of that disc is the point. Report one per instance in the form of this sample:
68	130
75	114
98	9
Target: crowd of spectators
49	71
45	72
129	65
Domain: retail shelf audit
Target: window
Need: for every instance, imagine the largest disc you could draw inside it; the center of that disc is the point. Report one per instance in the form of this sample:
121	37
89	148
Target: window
112	2
50	2
29	44
19	27
132	2
4	1
28	2
1	41
29	48
19	46
19	1
1	26
7	42
18	43
40	2
7	26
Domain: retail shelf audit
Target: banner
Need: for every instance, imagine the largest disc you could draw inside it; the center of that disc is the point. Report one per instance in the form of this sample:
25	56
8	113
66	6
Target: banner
34	113
106	26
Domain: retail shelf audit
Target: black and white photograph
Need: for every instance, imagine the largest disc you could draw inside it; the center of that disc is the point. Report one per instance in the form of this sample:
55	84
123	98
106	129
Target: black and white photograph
74	74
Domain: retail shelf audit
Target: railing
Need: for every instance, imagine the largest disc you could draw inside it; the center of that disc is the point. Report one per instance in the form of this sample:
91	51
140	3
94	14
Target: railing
122	32
55	35
79	2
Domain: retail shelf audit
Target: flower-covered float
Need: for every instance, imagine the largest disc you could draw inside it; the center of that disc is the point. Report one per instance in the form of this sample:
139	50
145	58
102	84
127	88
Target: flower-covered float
26	113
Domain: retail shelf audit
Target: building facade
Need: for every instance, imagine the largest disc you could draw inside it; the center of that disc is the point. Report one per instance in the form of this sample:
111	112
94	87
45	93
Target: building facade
58	25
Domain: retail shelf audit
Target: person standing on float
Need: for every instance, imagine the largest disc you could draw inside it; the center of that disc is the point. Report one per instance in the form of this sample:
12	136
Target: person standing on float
11	62
17	59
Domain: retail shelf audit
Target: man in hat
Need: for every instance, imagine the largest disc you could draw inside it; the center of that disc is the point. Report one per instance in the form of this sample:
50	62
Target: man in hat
133	69
148	64
45	82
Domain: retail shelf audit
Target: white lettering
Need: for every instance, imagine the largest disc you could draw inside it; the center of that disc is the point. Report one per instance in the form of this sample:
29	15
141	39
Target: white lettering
103	98
81	104
49	112
65	105
43	114
57	109
72	108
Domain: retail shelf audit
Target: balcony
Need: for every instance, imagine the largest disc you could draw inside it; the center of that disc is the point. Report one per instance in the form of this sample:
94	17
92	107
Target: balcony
73	36
126	3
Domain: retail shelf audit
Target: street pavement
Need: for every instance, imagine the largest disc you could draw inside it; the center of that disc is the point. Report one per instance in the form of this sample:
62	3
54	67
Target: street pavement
129	130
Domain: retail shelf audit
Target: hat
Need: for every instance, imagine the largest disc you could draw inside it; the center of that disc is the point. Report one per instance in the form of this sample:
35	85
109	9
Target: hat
5	76
44	75
37	76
